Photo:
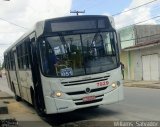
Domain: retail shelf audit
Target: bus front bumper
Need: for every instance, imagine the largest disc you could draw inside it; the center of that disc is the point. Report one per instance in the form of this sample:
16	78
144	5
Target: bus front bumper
55	105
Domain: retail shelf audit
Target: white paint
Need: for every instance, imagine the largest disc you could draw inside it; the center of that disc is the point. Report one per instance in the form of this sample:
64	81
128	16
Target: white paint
146	67
150	67
154	67
66	102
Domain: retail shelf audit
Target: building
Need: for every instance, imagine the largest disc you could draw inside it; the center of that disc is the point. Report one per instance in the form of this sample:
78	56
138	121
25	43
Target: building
141	52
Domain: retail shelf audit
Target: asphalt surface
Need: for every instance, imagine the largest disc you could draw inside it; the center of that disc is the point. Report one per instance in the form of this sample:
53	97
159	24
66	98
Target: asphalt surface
140	104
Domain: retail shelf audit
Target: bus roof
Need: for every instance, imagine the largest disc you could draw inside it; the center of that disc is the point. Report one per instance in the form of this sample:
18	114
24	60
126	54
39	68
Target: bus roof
76	17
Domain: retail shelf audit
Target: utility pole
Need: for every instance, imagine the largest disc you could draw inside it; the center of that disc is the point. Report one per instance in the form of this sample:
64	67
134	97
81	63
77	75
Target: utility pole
77	12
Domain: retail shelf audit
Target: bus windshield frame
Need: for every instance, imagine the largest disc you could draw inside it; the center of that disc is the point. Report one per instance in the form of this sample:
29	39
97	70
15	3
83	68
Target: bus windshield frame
78	54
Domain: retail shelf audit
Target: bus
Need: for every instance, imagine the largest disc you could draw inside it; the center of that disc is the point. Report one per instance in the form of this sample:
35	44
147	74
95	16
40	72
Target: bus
66	63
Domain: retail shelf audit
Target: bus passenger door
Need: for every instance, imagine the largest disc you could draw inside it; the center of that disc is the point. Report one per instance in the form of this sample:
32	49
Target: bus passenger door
35	68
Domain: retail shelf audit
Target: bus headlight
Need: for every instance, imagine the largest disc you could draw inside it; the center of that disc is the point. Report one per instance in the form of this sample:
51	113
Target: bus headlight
58	93
114	85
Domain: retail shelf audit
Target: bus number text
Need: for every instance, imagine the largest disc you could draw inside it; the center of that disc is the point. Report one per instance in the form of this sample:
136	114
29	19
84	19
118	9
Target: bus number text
102	83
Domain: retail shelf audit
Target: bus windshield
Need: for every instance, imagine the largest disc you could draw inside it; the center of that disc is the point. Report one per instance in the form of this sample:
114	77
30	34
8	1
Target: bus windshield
80	54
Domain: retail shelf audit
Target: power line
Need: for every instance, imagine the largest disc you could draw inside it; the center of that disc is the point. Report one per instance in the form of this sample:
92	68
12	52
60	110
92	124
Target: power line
147	20
142	17
157	7
140	22
13	23
141	38
134	8
84	12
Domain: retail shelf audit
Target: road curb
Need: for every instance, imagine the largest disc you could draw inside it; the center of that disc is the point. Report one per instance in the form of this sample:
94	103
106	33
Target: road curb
4	95
10	97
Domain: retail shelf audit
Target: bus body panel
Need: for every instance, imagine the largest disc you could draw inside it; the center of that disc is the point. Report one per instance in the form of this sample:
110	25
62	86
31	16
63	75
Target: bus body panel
17	74
25	77
14	82
9	80
68	105
68	102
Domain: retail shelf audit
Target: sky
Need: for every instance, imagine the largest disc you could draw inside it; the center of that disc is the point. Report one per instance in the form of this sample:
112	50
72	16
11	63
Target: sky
26	13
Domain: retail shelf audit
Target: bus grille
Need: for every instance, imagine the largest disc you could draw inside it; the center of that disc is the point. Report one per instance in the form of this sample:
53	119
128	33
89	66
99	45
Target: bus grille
80	82
84	92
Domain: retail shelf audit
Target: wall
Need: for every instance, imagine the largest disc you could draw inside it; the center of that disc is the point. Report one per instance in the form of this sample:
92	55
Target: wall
133	61
146	33
137	65
131	64
152	50
127	37
127	59
124	60
136	34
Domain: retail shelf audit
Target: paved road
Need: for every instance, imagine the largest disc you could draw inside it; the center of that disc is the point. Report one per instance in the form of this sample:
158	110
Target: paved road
139	104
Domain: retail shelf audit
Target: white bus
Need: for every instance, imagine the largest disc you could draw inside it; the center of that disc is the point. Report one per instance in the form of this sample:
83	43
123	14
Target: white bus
67	63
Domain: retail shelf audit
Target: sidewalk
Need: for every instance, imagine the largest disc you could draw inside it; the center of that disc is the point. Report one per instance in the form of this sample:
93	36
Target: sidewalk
20	111
4	86
4	95
143	84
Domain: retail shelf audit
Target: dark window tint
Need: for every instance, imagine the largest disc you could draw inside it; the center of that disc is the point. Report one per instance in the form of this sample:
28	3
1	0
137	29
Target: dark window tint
23	55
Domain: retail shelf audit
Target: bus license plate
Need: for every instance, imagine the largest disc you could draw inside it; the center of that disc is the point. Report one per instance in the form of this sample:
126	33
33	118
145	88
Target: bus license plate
89	98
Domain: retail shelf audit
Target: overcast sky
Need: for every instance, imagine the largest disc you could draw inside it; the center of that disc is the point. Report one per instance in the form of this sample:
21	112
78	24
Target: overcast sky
26	13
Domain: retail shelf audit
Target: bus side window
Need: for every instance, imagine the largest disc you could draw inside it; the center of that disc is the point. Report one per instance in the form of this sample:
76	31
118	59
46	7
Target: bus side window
23	55
19	56
27	60
12	60
6	62
10	66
